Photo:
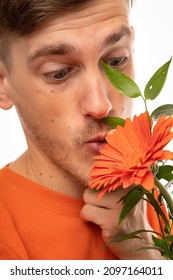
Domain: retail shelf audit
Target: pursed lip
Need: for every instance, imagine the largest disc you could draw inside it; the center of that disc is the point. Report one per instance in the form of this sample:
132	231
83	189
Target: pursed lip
96	143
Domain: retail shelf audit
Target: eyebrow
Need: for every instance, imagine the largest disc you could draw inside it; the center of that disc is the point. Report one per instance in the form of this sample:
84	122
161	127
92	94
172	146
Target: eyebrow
117	36
61	49
67	49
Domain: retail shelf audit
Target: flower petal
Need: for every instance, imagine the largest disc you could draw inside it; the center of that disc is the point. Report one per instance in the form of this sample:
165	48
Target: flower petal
148	181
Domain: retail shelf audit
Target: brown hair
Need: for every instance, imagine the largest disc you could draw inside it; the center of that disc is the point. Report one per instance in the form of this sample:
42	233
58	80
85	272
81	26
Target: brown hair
22	17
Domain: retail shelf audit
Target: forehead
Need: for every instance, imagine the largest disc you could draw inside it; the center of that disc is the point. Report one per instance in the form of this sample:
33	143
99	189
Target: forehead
88	24
94	11
93	15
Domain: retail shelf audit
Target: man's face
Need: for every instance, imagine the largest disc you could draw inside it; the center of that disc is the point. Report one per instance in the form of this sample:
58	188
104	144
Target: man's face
59	87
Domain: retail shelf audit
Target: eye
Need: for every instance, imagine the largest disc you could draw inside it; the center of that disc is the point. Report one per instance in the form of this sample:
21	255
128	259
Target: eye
60	75
117	62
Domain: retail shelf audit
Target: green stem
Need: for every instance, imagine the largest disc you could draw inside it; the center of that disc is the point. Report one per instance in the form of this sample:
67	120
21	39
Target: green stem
165	194
145	104
146	109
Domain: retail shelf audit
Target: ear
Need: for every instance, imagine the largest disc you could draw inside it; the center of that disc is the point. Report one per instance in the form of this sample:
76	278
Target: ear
5	100
132	32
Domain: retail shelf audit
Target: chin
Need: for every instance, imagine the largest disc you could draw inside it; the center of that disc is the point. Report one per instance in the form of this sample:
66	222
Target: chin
82	175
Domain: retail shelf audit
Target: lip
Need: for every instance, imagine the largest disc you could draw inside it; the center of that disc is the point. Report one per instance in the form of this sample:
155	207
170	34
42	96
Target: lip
96	143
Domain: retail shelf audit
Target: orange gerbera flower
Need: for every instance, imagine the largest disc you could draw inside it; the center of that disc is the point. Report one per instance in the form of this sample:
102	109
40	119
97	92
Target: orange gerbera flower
130	152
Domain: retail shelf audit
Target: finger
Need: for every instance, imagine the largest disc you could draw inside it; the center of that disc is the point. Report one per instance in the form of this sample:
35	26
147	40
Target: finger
109	200
102	217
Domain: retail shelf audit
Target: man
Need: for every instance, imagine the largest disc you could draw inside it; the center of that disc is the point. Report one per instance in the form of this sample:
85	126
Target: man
50	70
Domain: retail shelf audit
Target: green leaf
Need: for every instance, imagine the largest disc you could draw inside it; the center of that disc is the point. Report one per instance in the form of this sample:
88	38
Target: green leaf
151	248
166	109
165	172
134	234
158	209
134	196
122	82
164	245
158	241
113	122
157	81
169	238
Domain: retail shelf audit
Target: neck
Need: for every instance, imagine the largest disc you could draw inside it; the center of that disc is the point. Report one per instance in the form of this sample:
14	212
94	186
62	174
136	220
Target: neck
40	170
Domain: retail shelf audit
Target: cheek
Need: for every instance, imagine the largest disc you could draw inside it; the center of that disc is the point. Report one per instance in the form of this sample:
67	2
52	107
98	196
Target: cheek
128	107
42	104
122	105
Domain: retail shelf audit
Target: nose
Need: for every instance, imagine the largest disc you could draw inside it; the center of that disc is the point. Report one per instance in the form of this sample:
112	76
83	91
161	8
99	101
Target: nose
95	100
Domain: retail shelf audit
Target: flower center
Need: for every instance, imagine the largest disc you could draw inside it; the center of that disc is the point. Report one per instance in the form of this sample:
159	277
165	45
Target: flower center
135	157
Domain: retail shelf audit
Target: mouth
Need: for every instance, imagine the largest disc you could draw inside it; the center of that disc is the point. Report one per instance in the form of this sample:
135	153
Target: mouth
96	143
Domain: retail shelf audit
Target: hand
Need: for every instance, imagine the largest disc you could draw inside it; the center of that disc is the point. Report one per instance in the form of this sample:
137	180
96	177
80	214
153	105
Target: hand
105	213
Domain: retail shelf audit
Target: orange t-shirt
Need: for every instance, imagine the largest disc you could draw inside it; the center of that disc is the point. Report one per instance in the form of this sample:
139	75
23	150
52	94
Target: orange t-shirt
37	223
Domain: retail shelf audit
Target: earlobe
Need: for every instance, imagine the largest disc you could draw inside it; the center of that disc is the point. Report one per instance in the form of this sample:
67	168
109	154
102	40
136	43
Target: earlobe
5	100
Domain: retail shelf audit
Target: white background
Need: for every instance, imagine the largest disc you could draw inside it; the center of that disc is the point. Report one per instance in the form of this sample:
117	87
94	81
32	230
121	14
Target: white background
153	22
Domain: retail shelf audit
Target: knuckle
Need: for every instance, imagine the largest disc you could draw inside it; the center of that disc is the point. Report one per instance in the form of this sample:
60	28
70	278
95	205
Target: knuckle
85	212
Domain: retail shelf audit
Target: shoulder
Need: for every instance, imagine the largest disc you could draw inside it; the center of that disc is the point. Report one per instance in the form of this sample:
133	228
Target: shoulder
4	174
11	246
